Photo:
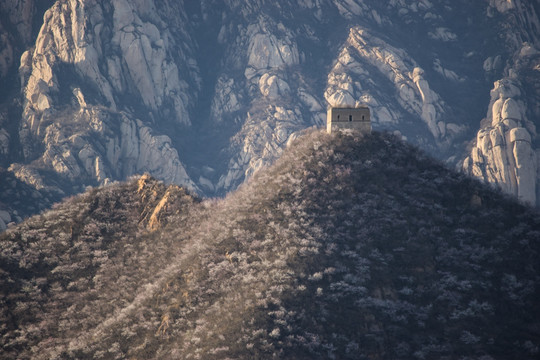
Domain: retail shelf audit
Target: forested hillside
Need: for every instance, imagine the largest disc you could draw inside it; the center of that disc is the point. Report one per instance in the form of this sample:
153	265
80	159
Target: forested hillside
348	247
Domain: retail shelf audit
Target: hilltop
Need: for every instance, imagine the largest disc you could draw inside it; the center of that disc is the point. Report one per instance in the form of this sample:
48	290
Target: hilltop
349	246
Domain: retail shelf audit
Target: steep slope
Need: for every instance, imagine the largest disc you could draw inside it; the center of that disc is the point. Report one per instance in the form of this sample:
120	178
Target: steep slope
62	266
97	77
348	247
206	93
20	21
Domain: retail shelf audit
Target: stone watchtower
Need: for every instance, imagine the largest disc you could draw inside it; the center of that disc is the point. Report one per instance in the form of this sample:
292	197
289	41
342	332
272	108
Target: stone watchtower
357	118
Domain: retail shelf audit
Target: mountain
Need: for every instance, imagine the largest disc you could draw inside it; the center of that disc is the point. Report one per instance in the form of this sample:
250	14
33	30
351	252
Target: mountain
204	94
348	247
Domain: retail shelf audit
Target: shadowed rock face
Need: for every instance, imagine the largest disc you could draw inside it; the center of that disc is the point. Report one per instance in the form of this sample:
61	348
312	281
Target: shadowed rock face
16	29
207	93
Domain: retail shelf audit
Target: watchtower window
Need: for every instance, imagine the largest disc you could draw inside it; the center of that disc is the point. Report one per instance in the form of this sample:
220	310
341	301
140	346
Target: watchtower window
350	117
338	117
362	117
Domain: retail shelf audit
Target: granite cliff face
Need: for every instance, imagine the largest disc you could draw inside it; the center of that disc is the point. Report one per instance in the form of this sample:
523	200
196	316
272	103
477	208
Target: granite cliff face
205	94
88	57
19	24
503	153
16	31
506	151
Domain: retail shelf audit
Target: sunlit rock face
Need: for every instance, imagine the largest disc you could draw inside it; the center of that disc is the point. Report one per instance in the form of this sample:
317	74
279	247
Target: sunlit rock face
207	93
349	84
93	63
19	23
503	153
506	150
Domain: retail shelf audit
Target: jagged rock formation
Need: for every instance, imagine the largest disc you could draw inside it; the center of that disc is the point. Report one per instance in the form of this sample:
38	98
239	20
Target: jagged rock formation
19	24
205	94
114	60
506	151
160	204
350	76
503	152
16	30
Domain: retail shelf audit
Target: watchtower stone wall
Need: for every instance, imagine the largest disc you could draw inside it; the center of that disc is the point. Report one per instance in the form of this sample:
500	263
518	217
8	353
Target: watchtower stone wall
357	118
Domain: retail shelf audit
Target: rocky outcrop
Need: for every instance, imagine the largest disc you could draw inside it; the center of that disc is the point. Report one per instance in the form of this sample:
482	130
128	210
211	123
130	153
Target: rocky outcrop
160	203
351	83
15	31
18	20
262	140
275	105
118	59
109	146
505	152
112	50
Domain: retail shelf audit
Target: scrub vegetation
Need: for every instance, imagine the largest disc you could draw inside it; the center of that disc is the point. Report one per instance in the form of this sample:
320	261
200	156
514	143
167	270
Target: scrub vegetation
348	247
